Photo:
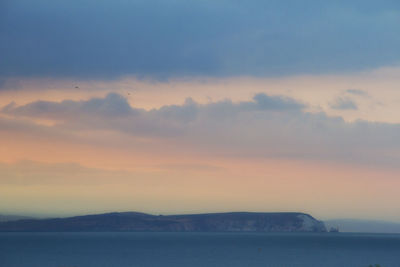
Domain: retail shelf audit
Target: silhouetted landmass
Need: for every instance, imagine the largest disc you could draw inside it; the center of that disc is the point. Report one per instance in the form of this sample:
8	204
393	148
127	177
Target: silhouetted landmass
6	218
212	222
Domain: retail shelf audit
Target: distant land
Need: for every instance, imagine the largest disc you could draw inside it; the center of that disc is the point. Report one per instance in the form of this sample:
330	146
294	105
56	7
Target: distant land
6	218
135	221
363	226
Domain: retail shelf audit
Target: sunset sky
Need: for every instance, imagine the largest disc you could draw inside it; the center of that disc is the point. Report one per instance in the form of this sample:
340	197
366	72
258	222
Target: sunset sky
184	106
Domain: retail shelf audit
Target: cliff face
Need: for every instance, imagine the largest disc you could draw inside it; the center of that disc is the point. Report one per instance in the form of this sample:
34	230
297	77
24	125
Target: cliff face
213	222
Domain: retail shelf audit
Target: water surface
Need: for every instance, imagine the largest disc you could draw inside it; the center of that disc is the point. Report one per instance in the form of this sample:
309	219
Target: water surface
197	249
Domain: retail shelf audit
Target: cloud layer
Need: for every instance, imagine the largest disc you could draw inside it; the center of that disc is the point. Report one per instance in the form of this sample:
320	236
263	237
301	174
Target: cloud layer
156	38
266	126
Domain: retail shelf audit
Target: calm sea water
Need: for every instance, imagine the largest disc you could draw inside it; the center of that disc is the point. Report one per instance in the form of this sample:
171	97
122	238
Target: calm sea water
197	249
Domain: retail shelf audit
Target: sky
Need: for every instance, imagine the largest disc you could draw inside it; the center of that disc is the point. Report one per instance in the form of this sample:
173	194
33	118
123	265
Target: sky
187	106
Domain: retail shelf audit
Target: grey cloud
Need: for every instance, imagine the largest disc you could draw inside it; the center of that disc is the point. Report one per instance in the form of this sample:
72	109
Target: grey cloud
191	110
113	105
266	126
185	113
344	104
116	106
264	101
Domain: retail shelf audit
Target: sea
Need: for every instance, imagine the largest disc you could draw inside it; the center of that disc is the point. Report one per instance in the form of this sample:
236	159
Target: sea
133	249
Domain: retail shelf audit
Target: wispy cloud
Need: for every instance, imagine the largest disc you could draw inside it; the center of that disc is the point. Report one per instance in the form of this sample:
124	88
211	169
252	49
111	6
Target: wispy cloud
28	173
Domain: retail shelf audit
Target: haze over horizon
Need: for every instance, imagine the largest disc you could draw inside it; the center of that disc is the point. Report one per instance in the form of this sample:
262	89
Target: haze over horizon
180	106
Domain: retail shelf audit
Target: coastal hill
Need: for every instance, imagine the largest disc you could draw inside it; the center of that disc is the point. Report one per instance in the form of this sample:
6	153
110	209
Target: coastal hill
211	222
6	218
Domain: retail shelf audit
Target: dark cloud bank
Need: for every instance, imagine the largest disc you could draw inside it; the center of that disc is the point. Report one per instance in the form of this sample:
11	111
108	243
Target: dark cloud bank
163	38
266	126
